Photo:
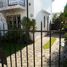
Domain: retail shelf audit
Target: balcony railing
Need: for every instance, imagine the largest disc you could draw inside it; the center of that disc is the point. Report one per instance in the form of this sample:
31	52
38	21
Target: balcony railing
16	2
11	3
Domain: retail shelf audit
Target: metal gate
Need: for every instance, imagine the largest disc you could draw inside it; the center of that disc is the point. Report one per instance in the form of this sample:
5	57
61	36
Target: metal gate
17	54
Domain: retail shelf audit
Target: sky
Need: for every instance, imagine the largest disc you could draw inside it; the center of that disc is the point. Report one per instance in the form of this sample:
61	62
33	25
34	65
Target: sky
58	5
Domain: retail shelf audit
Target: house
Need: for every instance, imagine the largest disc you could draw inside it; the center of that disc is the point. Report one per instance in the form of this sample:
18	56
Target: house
14	10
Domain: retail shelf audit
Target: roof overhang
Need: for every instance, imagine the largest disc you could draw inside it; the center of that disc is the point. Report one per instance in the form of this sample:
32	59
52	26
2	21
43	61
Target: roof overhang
45	12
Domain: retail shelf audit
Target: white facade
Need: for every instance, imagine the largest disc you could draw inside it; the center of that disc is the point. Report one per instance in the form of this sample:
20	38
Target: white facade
38	9
3	25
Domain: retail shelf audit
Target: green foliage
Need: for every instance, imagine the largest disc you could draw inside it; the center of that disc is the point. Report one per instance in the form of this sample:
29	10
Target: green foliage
54	17
57	20
13	36
65	14
65	36
65	8
28	24
17	35
65	26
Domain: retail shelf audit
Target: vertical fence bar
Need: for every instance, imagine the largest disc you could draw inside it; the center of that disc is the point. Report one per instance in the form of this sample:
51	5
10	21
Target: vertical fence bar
41	47
21	49
21	57
50	48
27	54
1	46
10	48
27	46
59	47
4	35
33	46
2	62
15	42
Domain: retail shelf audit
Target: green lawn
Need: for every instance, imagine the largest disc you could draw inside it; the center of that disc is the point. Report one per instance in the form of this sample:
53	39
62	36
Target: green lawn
47	45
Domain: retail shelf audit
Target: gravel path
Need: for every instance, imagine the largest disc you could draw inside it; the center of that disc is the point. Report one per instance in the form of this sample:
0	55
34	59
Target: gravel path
45	55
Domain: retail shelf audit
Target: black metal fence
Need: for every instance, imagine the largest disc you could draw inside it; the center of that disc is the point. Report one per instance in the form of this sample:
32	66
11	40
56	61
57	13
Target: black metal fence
12	42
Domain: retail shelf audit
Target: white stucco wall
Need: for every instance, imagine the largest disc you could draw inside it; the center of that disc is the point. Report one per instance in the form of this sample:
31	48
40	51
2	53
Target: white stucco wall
3	25
42	5
40	18
31	9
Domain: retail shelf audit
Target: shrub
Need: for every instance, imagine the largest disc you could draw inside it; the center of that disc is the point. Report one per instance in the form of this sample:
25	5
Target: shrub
17	36
65	27
65	36
27	26
11	36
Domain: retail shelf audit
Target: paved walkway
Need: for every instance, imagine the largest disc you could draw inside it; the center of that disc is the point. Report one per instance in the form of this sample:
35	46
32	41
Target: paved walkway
45	55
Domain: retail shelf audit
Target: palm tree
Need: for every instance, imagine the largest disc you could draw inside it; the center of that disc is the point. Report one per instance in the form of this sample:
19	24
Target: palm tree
28	25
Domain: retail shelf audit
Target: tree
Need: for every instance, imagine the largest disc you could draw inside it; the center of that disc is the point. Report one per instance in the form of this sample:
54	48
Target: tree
61	18
65	8
56	22
65	17
28	24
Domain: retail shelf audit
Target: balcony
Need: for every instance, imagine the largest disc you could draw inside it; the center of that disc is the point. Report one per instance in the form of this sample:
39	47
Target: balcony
16	2
12	4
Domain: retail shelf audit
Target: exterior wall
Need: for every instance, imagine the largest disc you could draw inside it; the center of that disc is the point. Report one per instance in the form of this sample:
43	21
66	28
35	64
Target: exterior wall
3	24
42	5
39	19
31	9
42	8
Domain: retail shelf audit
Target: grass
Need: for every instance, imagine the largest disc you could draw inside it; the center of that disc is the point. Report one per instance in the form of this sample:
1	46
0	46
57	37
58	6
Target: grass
47	45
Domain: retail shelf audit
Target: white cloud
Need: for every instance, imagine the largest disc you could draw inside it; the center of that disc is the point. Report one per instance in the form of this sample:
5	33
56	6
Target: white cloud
58	5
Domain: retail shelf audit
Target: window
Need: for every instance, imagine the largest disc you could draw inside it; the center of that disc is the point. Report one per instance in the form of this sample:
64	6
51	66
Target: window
13	21
15	2
48	19
47	22
44	21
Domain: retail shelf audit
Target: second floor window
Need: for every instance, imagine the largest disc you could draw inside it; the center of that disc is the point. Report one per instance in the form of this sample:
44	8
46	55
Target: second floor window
15	2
